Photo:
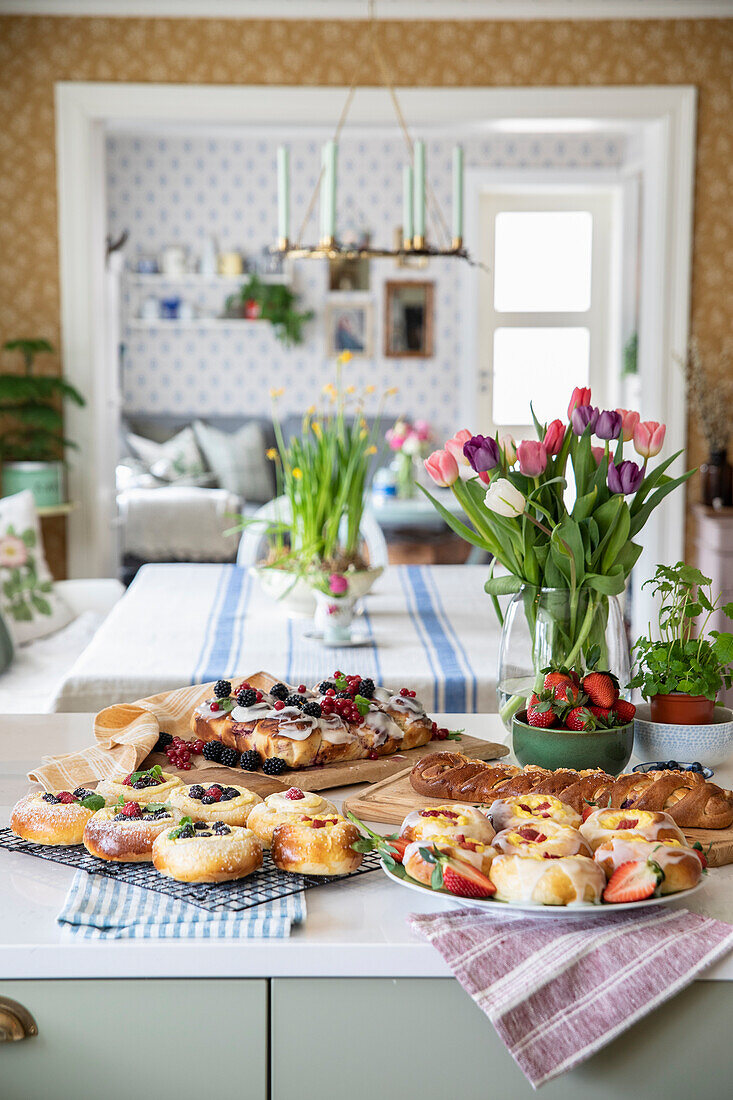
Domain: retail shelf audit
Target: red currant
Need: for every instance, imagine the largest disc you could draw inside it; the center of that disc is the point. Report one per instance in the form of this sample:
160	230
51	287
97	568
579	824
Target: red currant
373	755
278	705
302	687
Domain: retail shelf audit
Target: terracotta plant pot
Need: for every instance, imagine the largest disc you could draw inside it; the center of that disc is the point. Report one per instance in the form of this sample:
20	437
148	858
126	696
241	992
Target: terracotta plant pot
679	709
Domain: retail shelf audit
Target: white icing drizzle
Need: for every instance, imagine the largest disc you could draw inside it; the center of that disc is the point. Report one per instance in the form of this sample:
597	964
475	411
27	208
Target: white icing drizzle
602	824
401	703
560	840
508	812
335	731
253	713
523	874
383	725
621	849
469	821
204	709
311	803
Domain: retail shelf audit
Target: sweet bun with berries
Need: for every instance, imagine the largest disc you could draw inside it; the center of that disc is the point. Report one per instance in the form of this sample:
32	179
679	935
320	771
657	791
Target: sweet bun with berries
150	785
647	824
518	809
533	879
316	846
215	802
466	849
285	806
125	834
449	820
680	865
205	851
547	838
55	817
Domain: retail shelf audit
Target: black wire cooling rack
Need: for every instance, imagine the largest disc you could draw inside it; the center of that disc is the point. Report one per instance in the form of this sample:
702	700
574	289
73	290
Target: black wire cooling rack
266	884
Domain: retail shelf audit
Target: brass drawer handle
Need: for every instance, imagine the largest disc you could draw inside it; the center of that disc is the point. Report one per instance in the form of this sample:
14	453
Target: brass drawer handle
16	1022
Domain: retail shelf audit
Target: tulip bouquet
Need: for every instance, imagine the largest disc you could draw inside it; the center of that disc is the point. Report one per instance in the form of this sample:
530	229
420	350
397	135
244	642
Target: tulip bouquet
409	442
566	552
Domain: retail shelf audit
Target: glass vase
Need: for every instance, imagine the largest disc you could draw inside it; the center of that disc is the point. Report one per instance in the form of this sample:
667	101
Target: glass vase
558	627
403	466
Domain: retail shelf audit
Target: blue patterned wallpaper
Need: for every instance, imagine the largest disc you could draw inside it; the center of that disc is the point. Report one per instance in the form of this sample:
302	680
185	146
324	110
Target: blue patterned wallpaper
179	189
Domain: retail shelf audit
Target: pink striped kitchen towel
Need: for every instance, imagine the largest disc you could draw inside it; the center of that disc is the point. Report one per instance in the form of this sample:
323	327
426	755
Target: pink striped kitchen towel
557	990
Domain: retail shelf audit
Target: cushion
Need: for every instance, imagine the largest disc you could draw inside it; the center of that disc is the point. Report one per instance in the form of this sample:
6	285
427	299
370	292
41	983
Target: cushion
177	460
28	600
238	460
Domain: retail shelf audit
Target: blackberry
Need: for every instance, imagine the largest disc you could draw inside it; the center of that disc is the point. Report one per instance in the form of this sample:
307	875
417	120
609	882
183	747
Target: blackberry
164	740
197	791
187	831
313	709
274	766
120	817
208	799
250	760
213	751
216	786
365	688
81	792
247	697
198	825
207	833
48	797
221	829
324	686
280	691
229	758
229	793
295	700
222	689
344	695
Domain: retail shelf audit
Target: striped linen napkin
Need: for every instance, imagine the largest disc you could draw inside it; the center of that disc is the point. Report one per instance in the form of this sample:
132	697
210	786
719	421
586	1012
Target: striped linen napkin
100	908
559	990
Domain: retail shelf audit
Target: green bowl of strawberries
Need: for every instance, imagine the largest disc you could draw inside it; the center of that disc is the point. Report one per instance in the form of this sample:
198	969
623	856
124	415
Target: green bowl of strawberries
565	725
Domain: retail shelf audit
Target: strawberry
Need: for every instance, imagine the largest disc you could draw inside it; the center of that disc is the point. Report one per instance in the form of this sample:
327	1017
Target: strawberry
601	712
624	711
568	693
601	688
539	710
701	854
528	833
580	719
633	881
588	809
465	880
397	847
556	678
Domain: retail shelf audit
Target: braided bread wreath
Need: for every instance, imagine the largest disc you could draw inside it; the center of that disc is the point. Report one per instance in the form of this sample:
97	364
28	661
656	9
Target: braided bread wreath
689	799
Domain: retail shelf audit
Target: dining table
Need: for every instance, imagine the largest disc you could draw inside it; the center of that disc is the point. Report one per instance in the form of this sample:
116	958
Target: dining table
430	628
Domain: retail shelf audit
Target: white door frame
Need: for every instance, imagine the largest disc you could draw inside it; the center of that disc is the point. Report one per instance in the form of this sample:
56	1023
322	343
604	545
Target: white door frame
82	109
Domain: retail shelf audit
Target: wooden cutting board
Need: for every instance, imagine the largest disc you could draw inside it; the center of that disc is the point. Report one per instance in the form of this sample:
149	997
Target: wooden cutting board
391	800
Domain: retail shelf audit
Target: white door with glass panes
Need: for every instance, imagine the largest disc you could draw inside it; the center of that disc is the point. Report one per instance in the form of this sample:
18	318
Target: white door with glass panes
547	305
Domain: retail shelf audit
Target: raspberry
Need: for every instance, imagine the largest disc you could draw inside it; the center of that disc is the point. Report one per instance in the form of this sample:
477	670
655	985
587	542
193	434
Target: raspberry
213	793
65	796
132	809
294	794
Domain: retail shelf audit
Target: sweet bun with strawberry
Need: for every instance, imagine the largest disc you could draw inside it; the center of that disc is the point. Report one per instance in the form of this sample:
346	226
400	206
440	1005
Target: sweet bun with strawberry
286	806
215	802
546	837
532	879
465	849
125	833
649	825
205	851
55	817
150	785
681	867
450	820
519	809
316	845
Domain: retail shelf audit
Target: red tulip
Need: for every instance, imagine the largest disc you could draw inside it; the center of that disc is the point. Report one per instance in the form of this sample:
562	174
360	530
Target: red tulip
629	419
442	467
649	437
532	458
580	396
553	437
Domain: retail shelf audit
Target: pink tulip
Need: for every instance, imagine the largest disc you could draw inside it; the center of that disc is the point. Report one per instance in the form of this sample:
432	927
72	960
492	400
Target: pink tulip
532	457
509	447
629	419
649	437
598	453
454	446
442	467
423	430
553	437
580	396
338	584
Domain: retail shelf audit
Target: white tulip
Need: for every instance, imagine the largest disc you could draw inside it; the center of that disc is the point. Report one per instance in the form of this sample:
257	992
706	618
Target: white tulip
503	498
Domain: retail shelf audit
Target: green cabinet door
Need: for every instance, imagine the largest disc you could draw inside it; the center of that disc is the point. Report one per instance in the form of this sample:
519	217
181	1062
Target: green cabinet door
404	1039
130	1040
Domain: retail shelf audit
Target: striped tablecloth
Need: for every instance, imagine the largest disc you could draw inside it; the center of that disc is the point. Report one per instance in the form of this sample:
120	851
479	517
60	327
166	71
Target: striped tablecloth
431	628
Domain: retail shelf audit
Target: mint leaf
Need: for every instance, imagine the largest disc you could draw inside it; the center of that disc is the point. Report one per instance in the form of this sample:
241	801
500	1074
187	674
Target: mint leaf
175	833
362	705
427	855
436	879
454	735
93	802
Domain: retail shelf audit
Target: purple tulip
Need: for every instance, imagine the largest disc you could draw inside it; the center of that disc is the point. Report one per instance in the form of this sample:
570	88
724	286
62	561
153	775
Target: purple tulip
582	416
482	453
609	424
624	478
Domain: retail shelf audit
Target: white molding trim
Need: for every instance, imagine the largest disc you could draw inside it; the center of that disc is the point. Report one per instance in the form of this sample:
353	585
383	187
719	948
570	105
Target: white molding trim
83	109
422	10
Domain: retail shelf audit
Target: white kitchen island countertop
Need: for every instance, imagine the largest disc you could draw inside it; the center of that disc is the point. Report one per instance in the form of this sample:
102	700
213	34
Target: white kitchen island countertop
355	929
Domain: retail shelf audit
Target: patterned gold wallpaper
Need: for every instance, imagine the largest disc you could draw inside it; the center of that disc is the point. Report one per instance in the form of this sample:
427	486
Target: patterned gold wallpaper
37	51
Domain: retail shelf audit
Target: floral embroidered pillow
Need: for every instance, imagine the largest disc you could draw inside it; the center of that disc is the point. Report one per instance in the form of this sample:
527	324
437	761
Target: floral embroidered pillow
29	602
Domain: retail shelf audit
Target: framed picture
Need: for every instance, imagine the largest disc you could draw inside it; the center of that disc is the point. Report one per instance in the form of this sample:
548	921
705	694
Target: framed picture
408	319
349	325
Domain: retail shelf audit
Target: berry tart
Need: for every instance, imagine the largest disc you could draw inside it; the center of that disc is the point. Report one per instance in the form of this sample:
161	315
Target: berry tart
206	851
547	838
151	785
530	878
451	820
282	807
55	817
316	845
681	866
215	802
604	824
125	833
465	849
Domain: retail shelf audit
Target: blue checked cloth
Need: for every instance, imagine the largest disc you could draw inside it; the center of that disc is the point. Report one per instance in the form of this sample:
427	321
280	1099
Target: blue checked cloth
100	908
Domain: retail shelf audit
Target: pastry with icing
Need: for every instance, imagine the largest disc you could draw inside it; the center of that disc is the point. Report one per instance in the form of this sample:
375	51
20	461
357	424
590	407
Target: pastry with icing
408	713
648	824
452	819
547	838
532	879
316	845
518	809
55	817
125	833
466	849
286	806
681	866
215	802
206	851
151	785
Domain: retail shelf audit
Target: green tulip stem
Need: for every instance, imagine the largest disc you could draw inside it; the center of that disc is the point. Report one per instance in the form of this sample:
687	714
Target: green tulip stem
583	633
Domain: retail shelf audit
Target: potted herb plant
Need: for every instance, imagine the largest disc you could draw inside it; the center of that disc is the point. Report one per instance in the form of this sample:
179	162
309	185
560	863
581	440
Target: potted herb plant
32	443
273	302
682	672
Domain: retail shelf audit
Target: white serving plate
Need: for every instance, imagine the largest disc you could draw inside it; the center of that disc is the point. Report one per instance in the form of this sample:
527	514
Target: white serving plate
566	912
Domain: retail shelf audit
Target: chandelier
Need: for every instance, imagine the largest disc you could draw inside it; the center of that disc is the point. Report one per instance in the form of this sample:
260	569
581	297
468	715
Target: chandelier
417	194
